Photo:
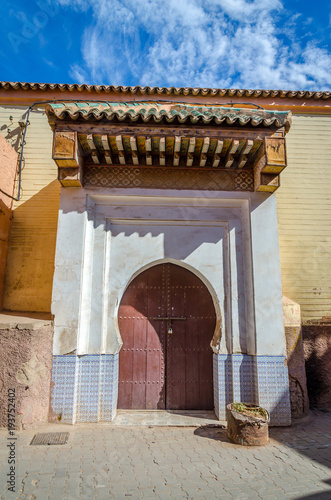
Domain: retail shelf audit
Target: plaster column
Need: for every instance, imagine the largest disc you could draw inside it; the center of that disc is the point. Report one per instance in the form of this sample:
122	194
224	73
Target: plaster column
271	364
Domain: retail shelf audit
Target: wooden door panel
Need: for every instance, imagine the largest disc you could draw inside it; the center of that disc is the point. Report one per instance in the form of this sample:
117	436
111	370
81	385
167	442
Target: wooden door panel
189	365
158	370
139	364
141	360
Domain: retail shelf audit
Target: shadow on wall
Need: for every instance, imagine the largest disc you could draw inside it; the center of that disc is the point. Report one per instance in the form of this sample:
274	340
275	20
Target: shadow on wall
31	252
5	225
317	348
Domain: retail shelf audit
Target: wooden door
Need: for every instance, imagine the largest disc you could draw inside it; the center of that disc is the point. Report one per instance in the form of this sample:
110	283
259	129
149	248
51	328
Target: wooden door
167	320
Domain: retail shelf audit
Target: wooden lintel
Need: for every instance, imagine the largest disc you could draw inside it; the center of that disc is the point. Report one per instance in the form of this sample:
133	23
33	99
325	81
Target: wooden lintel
182	131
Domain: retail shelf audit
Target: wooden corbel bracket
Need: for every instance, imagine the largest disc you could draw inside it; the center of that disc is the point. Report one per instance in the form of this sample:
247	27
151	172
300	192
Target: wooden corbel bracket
271	160
67	155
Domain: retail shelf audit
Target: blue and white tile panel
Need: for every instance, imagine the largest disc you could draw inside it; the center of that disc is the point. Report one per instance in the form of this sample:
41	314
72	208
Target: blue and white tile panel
259	380
64	378
273	384
223	387
85	387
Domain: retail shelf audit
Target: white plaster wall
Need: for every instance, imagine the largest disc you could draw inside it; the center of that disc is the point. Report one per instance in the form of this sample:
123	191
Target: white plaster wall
270	339
144	243
67	281
106	237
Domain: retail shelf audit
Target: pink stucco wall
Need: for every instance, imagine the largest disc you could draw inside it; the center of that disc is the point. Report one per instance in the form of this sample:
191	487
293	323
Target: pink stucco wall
25	370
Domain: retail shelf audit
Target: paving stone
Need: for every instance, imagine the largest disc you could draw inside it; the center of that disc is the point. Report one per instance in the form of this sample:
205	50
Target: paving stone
129	463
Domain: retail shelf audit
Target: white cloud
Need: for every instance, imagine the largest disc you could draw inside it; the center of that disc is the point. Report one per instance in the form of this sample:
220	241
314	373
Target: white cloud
210	43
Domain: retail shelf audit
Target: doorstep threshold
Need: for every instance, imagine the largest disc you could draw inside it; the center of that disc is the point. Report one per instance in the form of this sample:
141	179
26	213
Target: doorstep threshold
178	418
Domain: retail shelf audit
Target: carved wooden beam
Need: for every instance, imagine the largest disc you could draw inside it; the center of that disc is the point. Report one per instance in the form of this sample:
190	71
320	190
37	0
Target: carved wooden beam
93	149
121	155
162	146
106	149
244	152
229	156
148	148
190	152
217	154
134	151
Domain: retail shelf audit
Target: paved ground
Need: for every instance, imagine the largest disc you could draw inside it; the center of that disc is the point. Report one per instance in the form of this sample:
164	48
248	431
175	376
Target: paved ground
150	462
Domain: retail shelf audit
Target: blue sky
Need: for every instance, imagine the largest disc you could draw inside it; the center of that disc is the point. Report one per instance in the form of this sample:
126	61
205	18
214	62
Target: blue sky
268	44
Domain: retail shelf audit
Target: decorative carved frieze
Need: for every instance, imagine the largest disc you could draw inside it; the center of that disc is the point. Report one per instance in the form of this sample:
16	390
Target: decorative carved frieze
169	178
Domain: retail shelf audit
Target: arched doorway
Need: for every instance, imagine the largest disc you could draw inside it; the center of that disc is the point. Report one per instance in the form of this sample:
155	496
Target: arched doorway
167	320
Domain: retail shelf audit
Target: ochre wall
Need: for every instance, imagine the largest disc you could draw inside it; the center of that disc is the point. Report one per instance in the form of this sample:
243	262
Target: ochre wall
304	212
30	262
8	164
304	215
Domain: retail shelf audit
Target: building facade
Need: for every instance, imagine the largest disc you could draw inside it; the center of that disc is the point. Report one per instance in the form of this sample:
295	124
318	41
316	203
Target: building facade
171	254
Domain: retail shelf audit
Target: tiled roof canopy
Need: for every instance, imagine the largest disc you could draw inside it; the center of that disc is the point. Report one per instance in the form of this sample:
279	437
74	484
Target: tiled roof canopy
162	145
71	87
169	113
